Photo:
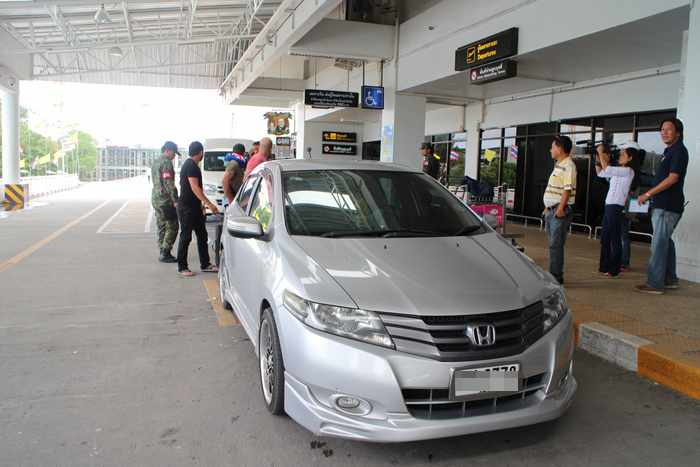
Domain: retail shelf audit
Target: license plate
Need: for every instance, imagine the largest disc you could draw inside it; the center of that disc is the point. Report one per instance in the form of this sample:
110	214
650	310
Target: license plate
469	382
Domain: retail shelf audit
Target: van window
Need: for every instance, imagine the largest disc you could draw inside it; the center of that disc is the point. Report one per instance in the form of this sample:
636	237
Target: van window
214	161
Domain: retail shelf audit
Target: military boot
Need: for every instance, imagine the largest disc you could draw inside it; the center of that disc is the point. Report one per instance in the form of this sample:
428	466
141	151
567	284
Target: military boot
166	257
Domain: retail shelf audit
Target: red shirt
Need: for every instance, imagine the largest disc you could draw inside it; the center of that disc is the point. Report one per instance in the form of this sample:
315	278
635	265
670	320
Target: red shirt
253	162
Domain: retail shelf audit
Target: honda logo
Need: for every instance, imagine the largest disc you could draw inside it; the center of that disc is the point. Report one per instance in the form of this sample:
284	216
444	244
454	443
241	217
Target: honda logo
481	335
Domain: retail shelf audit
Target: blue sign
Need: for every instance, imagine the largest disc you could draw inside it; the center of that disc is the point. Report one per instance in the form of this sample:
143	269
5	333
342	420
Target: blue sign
372	97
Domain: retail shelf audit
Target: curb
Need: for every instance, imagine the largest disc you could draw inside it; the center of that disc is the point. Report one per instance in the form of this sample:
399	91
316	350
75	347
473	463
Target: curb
658	361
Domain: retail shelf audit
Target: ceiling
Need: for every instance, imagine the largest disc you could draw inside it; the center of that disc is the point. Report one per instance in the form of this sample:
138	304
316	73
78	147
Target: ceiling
640	45
186	43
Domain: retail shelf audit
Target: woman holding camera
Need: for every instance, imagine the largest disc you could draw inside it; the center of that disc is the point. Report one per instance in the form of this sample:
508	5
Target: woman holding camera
621	177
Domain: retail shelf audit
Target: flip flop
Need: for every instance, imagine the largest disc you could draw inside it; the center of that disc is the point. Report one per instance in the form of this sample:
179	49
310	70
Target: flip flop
185	273
210	268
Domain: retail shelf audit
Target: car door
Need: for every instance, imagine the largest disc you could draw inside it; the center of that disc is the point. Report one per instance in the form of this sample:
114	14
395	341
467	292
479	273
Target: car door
256	252
238	262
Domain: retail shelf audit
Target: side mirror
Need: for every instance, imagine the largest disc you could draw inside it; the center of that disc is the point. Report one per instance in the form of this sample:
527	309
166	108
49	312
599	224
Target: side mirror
244	227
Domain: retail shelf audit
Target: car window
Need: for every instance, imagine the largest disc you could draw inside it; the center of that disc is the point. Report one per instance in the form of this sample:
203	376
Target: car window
261	208
365	202
243	199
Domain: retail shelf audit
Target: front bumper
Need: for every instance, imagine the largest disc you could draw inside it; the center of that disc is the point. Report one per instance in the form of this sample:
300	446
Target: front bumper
319	367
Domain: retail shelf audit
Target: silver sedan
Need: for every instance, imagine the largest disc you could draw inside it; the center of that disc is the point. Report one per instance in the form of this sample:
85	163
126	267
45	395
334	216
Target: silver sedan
382	309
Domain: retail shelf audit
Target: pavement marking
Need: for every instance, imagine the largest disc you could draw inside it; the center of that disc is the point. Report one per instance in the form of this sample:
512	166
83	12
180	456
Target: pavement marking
149	219
114	216
7	264
225	317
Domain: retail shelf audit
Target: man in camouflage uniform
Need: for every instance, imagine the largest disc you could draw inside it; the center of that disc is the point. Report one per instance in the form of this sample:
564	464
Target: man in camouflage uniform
164	200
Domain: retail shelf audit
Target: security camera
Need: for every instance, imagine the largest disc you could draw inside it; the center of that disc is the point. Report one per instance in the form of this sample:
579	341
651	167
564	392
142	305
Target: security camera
8	81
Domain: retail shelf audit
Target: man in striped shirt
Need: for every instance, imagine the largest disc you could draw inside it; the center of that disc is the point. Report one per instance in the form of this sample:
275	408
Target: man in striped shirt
559	199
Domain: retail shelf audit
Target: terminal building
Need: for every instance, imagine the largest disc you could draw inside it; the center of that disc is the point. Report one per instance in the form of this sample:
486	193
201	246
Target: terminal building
115	162
489	82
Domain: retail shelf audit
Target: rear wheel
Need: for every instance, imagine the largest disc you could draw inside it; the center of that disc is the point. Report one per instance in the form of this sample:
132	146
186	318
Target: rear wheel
271	365
222	284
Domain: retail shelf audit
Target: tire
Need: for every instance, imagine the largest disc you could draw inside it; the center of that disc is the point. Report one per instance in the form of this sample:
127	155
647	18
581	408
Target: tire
270	365
222	284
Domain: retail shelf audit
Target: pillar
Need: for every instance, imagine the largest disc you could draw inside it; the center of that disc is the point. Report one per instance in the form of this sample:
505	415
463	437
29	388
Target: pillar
298	120
686	236
403	123
10	134
473	116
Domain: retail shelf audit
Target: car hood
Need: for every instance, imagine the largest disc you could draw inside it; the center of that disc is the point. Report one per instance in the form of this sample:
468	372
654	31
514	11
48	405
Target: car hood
430	276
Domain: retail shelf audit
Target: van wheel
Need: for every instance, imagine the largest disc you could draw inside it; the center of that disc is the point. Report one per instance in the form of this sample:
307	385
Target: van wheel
271	365
222	285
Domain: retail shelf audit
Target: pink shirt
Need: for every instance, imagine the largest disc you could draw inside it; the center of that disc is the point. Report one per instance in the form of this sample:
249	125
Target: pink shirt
253	162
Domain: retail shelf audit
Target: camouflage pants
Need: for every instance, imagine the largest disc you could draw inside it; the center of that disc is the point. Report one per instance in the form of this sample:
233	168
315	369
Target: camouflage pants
167	229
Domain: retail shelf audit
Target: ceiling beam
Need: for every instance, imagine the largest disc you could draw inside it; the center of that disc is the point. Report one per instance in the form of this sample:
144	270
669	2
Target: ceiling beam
69	34
190	19
127	21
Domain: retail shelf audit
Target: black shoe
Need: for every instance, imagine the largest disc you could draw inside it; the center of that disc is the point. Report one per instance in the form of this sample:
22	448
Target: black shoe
166	257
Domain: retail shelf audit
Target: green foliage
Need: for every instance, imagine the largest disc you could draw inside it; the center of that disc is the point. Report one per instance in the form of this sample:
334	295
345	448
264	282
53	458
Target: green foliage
84	156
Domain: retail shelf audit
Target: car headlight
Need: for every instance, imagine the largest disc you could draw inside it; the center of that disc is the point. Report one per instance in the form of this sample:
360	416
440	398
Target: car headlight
353	323
555	307
210	189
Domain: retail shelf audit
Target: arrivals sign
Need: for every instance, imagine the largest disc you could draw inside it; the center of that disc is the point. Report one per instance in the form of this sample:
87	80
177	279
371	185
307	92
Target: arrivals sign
326	98
493	72
339	137
487	50
341	149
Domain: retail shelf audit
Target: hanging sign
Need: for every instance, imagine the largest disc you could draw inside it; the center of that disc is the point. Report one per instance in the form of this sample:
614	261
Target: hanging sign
341	149
493	72
283	141
277	123
339	137
326	98
372	97
493	48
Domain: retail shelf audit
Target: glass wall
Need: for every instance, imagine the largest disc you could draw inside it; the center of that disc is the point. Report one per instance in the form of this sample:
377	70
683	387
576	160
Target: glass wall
520	158
450	148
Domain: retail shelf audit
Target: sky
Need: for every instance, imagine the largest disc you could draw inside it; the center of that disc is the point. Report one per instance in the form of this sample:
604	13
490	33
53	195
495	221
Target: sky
134	115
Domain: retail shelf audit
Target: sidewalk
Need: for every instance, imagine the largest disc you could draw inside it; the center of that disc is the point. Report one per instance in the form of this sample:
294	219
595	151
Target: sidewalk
657	336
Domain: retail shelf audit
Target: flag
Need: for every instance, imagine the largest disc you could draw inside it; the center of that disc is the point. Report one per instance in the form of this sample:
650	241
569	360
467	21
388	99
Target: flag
58	155
513	153
44	159
489	154
22	163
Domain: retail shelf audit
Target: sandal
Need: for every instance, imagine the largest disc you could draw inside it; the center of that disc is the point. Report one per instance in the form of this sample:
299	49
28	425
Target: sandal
210	268
185	273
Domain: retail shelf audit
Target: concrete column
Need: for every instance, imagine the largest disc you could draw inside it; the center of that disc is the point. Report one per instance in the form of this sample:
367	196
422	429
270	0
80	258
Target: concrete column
473	116
403	124
10	134
298	119
686	237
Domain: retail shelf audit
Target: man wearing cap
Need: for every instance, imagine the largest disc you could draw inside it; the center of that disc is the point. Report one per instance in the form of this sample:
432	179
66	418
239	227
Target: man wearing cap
431	165
235	171
164	200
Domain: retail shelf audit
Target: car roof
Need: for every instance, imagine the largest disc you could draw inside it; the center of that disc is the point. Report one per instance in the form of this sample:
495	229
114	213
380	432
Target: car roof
290	165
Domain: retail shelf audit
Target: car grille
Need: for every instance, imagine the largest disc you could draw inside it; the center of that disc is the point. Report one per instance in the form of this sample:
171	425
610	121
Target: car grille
443	337
434	404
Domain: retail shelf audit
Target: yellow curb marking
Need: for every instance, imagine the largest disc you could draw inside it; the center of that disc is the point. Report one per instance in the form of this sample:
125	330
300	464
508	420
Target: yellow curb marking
7	264
225	317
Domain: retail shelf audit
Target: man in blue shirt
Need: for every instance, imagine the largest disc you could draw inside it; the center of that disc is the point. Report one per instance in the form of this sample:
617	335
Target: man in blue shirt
667	202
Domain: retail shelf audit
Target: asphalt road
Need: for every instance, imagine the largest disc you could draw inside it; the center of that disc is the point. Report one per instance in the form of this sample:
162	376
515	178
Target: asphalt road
108	358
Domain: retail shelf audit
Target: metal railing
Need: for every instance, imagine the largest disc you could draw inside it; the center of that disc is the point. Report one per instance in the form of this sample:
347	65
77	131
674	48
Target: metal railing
527	219
631	232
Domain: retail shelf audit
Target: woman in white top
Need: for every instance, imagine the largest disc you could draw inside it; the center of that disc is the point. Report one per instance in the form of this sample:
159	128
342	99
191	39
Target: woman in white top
620	177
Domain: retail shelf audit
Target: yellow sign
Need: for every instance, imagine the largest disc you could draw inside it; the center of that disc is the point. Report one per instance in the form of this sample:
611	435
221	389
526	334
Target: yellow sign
490	154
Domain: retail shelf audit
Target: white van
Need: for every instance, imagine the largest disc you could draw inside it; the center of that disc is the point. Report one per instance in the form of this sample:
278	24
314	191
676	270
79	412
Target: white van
214	164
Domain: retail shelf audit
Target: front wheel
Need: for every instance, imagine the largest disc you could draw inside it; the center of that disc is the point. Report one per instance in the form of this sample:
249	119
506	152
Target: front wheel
222	285
271	365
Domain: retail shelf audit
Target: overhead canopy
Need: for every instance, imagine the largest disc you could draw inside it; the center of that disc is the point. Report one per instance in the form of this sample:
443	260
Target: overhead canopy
187	43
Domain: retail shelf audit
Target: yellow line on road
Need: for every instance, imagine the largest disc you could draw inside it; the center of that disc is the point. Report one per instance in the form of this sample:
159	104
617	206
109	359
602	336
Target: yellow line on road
223	316
7	264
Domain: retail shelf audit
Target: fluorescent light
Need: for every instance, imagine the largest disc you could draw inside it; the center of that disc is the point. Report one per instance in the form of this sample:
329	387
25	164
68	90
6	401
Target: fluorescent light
115	51
102	16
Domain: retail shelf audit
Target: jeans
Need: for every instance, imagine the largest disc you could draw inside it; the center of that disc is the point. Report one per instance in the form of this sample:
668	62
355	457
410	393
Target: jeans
192	220
626	245
611	240
557	230
662	264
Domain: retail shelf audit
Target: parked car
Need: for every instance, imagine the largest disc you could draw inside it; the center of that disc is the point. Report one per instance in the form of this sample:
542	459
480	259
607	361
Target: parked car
382	309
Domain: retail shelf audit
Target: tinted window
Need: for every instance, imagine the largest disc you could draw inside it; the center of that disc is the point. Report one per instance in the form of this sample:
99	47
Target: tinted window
214	161
358	202
246	192
261	208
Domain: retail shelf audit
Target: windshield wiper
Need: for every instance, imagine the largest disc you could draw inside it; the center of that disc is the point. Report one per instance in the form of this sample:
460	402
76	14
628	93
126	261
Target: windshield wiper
352	233
383	233
466	230
412	232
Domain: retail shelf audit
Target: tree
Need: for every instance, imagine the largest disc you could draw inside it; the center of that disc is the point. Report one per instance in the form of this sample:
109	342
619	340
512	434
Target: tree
84	157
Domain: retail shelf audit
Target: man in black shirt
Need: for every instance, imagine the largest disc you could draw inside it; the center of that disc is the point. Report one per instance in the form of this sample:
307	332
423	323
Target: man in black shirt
431	165
191	213
667	202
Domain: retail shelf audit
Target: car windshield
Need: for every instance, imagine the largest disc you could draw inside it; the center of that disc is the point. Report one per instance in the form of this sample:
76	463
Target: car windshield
346	203
214	160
